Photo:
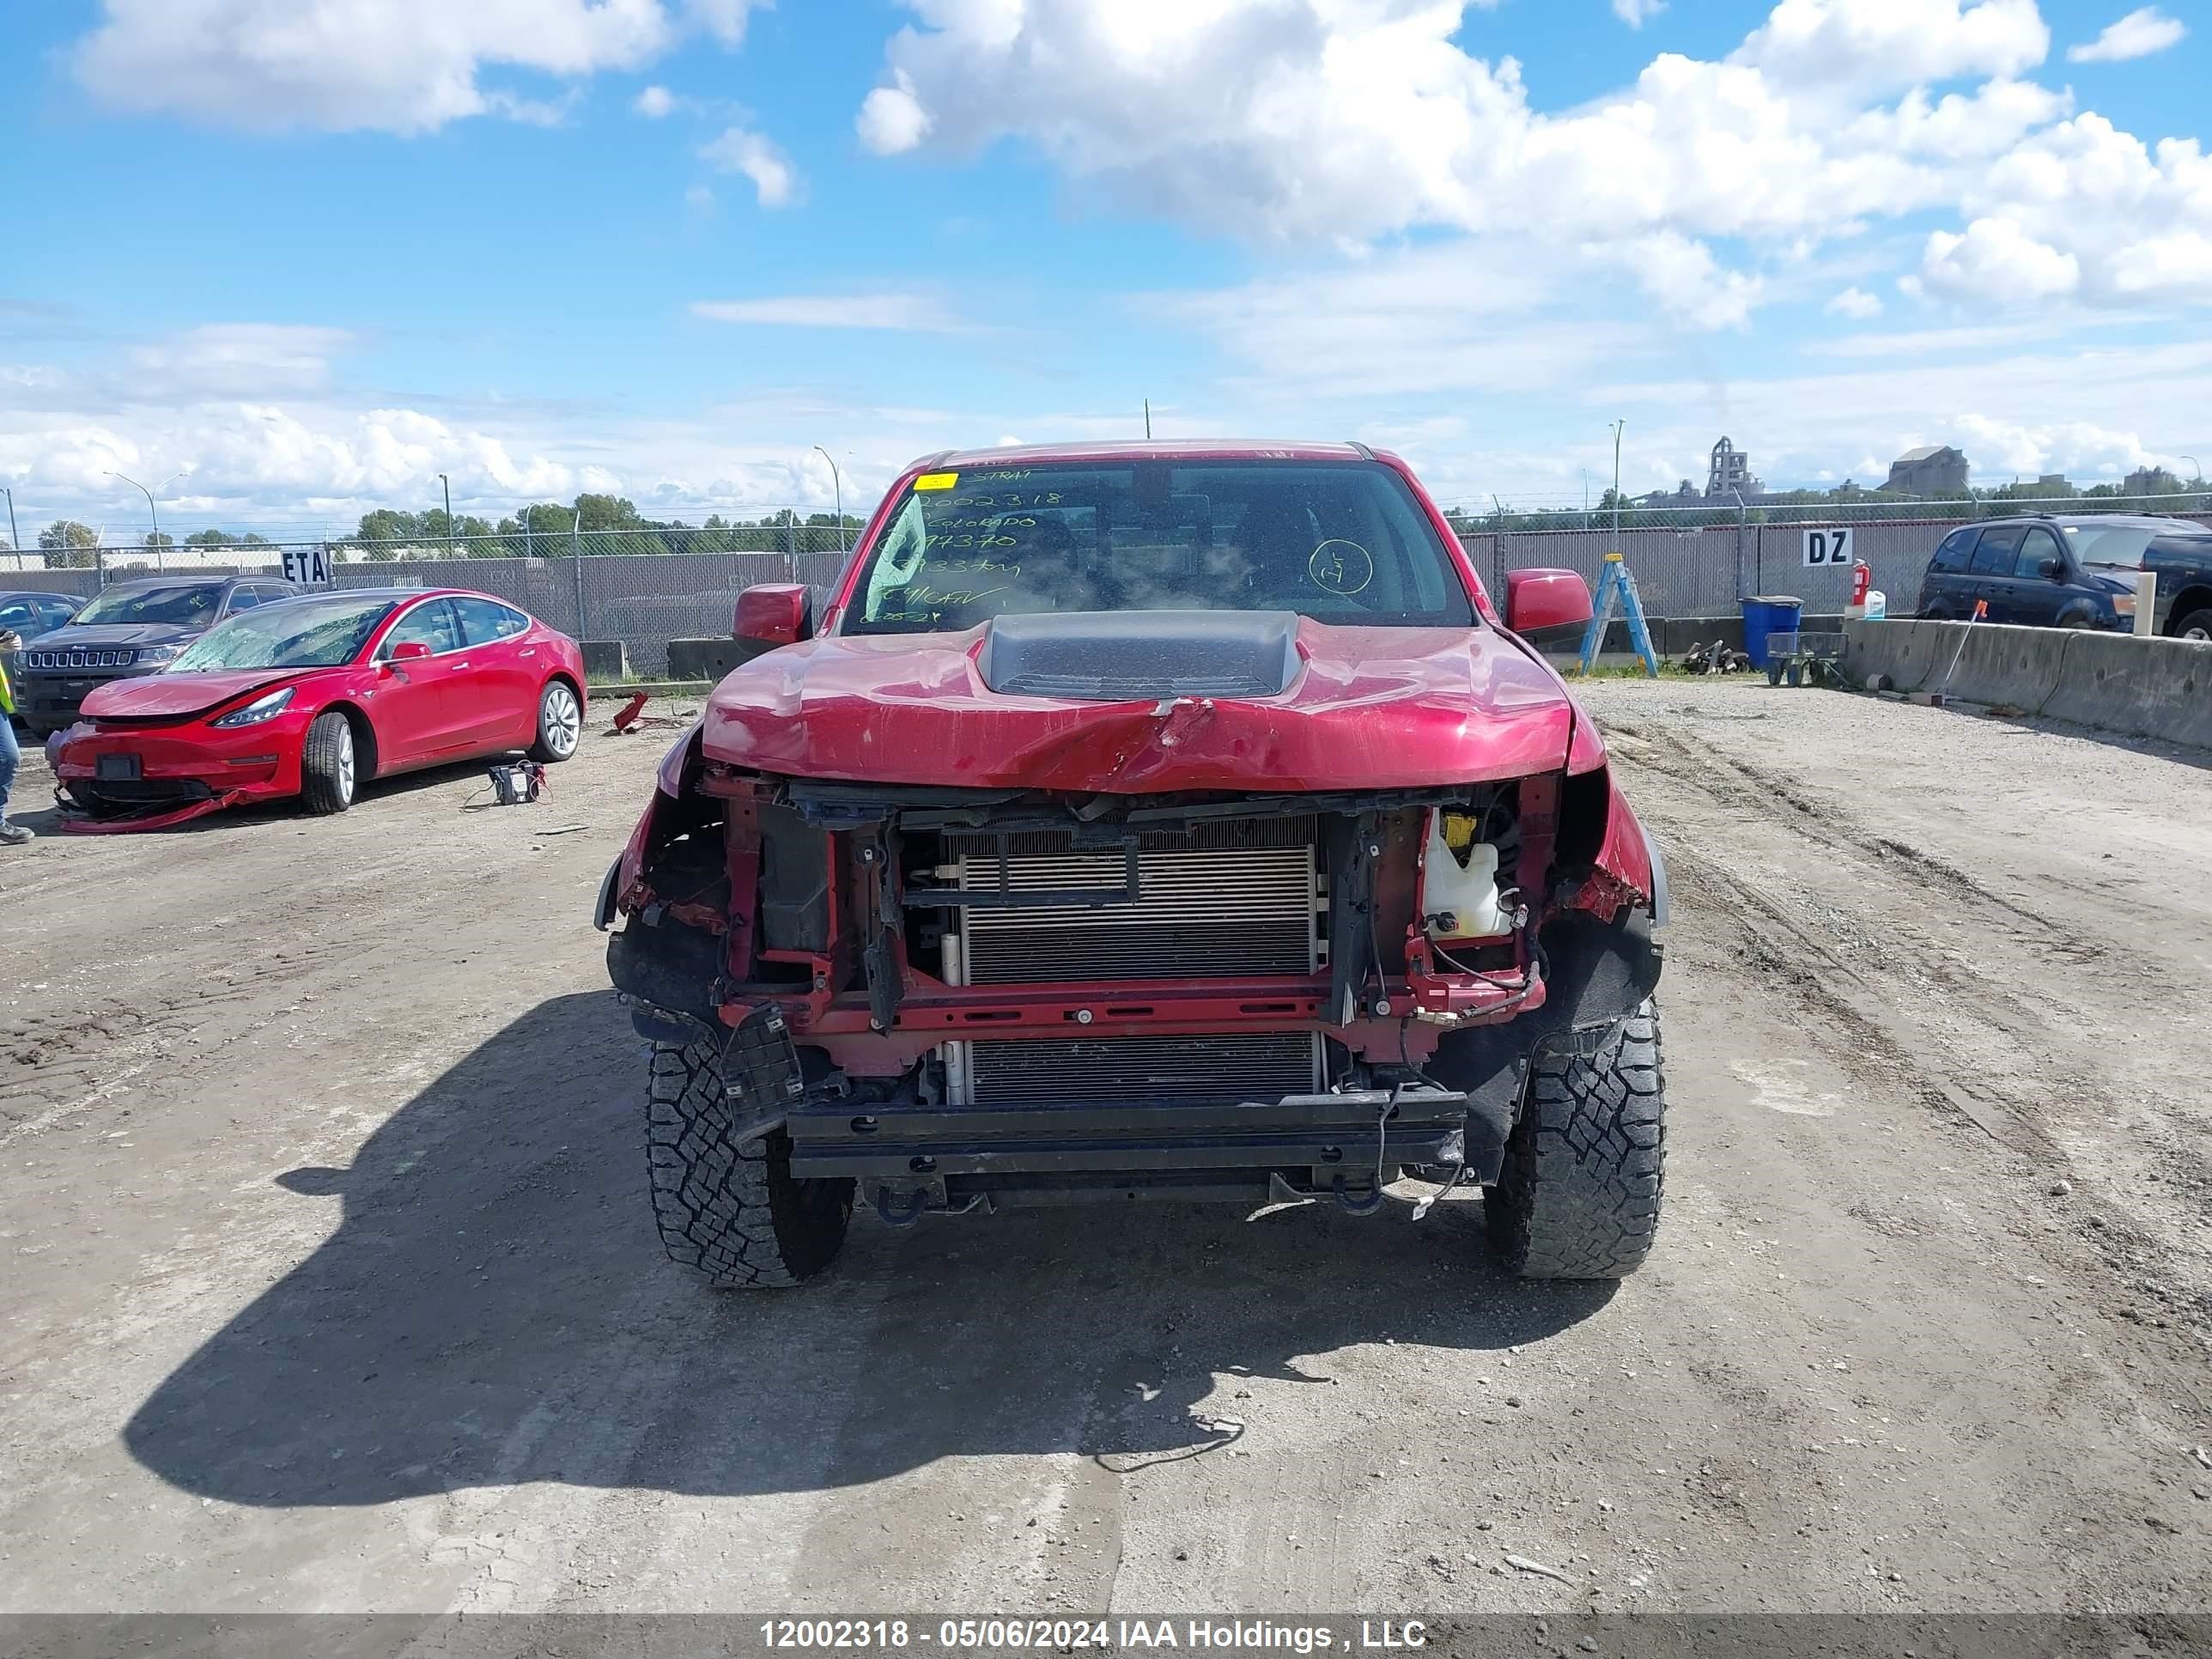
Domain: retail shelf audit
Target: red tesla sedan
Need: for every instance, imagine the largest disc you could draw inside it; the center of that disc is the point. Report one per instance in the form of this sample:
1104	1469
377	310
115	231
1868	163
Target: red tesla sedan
310	697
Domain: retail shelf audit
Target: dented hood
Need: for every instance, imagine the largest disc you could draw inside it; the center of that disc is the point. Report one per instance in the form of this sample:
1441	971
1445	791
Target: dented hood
157	696
1366	708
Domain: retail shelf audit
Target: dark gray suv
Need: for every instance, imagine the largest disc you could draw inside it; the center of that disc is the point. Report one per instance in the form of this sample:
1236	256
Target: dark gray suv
128	628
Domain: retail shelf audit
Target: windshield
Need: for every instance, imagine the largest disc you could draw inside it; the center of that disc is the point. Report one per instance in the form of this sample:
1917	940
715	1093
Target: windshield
315	633
2110	545
184	606
1340	542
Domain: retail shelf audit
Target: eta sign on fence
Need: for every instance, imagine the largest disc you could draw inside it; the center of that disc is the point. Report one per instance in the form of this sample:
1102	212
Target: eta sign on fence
310	566
1824	548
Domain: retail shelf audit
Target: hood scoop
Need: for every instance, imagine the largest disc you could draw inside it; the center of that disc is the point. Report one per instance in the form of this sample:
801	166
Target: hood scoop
1123	656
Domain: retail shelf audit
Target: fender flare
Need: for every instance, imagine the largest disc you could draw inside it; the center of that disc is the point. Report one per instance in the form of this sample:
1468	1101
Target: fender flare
1660	906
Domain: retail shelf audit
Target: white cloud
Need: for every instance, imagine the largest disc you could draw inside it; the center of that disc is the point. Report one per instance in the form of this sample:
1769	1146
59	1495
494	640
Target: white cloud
699	200
1995	263
911	313
740	150
1636	13
1326	123
1855	303
1875	46
2138	34
403	66
237	360
891	119
725	19
2083	447
1925	342
1686	279
1412	323
654	102
2094	213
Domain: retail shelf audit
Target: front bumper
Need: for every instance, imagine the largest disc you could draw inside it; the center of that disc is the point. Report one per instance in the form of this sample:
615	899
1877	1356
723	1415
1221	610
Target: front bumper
138	768
911	1159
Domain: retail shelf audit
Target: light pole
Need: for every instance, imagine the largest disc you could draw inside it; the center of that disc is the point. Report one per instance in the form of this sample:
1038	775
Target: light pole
449	510
837	480
14	541
1618	426
2197	471
152	510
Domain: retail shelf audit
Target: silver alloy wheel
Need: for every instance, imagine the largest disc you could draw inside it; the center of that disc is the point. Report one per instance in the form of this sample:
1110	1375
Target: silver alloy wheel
345	762
563	722
2196	633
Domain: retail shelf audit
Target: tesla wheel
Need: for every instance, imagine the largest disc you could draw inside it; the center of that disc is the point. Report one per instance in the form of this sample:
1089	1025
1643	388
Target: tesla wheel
728	1209
1579	1195
560	723
2197	625
327	764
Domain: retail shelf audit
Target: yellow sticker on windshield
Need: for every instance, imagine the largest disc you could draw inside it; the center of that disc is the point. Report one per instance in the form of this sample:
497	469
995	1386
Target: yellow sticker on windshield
936	480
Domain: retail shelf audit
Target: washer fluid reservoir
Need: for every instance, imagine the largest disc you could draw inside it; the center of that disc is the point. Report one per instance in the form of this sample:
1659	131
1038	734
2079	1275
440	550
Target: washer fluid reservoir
1466	894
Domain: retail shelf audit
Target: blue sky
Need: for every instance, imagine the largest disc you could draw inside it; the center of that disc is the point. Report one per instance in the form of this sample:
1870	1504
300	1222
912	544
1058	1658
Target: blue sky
311	254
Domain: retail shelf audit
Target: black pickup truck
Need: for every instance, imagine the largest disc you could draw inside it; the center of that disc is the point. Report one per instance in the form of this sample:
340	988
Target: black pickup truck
2182	562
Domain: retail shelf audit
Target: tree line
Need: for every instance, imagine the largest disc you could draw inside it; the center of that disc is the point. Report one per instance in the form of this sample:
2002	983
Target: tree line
600	523
606	524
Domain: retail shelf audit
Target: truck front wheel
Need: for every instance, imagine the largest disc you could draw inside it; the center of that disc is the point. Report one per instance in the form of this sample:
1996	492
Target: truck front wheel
730	1209
1579	1195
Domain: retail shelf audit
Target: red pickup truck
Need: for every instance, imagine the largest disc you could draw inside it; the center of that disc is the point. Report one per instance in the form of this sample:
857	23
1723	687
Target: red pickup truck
1159	820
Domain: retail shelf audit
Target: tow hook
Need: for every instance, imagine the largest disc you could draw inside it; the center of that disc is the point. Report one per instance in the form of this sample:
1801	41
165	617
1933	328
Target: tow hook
917	1200
1366	1205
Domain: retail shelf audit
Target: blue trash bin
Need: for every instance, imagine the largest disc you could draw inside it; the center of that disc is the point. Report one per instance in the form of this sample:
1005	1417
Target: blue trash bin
1769	614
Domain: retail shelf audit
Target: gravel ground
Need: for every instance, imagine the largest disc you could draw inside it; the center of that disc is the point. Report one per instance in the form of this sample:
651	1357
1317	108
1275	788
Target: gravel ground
331	1285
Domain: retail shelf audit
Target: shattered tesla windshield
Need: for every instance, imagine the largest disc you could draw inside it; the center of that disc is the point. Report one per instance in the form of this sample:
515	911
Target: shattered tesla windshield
309	633
1340	542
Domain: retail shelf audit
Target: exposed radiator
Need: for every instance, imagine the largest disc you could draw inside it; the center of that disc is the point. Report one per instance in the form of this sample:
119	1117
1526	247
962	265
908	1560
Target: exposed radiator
1216	1070
1203	913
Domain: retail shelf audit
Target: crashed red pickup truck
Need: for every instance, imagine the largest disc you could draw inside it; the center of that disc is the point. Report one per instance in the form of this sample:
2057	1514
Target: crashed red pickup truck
1150	820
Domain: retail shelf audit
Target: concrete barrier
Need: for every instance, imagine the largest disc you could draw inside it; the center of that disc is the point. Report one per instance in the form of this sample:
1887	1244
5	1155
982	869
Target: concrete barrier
1929	648
1874	648
2141	687
1909	655
2144	687
2016	668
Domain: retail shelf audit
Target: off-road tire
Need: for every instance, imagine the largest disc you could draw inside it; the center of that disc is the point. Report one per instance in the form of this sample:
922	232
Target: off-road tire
328	764
1579	1195
2197	625
731	1210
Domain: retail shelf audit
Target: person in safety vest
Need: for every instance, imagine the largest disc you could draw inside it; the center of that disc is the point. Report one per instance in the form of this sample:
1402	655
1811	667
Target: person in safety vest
11	835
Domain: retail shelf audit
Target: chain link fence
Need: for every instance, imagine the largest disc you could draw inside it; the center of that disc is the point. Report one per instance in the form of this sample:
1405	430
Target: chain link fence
646	586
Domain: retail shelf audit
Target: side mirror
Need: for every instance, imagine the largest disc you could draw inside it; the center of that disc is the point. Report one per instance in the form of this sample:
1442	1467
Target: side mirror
773	613
410	651
2054	570
1537	599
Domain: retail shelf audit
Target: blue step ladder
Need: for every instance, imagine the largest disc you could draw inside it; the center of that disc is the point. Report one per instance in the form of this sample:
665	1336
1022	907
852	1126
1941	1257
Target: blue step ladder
1616	585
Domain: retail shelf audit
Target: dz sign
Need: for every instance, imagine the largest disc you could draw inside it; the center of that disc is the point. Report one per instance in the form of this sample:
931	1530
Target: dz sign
310	566
1824	548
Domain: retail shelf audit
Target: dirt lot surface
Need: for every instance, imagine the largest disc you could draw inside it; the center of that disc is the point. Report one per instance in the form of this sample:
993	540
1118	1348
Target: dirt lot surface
330	1282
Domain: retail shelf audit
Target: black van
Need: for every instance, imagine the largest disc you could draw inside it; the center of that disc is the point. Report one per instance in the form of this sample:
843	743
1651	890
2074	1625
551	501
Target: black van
2183	561
2043	571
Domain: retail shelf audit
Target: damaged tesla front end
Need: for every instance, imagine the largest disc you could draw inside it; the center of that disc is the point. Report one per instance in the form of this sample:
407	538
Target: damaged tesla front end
1145	822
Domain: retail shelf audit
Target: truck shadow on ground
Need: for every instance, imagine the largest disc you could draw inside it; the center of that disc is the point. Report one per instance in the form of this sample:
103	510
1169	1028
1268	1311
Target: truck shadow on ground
493	1309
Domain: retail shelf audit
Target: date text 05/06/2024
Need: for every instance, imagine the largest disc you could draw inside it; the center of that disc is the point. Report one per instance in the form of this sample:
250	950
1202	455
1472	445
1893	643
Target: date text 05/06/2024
1005	1634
